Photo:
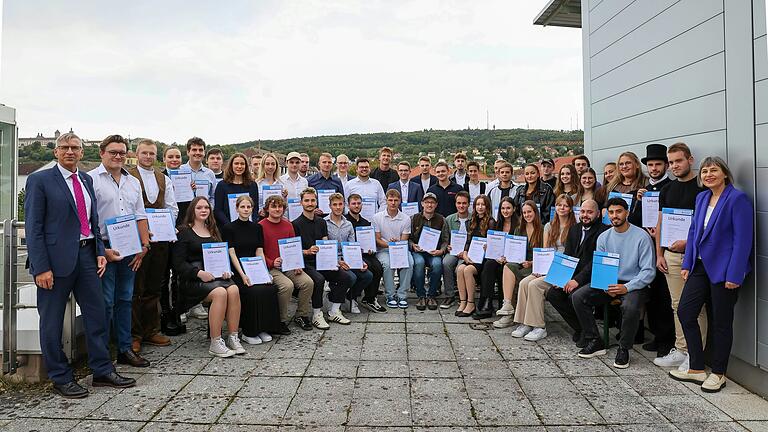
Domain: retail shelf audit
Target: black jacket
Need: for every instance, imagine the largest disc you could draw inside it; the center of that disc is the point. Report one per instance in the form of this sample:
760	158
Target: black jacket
544	197
583	250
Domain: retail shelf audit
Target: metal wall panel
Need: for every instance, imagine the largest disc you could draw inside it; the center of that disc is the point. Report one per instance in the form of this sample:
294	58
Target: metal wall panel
600	16
635	15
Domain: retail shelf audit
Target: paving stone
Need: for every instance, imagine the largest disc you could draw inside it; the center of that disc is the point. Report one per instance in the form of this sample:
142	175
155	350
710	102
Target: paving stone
382	388
687	408
392	315
471	339
484	369
109	426
425	327
258	411
572	428
652	385
174	427
380	412
566	411
430	340
376	340
427	352
245	428
233	366
535	369
270	387
713	427
39	425
60	408
428	388
547	388
473	352
384	352
623	409
479	388
383	368
189	366
304	412
378	428
601	386
425	316
385	327
338	353
648	427
159	385
756	426
281	367
457	329
505	412
446	429
290	352
638	365
193	409
585	368
434	369
442	412
739	406
213	385
522	352
131	407
332	368
326	388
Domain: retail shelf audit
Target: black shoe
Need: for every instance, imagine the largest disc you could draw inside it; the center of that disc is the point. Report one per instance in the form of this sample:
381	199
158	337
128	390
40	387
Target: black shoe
132	359
421	304
581	343
113	379
622	358
283	329
651	346
70	390
576	336
663	350
431	303
485	310
373	306
303	322
448	302
593	348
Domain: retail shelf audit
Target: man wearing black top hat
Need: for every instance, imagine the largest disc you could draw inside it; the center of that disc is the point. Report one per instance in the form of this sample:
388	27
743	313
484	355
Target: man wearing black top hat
659	308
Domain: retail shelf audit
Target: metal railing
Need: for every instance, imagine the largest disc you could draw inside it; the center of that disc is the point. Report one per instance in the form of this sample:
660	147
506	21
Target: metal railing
14	254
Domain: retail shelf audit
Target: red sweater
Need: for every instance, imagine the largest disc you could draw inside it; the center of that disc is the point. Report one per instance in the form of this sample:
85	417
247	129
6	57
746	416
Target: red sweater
272	233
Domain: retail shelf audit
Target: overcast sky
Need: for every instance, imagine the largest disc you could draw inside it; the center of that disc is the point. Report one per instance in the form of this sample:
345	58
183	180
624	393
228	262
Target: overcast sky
238	70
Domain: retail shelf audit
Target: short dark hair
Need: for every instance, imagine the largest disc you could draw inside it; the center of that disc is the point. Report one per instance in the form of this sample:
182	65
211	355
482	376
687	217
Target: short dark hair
442	164
583	157
113	139
617	201
404	163
474	164
195	141
463	193
212	151
362	160
354	196
275	200
680	147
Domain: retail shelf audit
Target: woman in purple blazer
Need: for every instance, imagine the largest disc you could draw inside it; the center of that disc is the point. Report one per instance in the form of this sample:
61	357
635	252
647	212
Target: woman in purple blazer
716	261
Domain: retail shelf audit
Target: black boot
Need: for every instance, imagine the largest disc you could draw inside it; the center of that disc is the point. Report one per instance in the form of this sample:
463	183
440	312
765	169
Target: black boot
485	310
173	325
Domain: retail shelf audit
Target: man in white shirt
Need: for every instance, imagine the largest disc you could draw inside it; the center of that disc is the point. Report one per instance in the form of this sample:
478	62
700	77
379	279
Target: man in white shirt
119	194
503	188
393	225
157	193
196	153
294	183
474	186
460	176
365	186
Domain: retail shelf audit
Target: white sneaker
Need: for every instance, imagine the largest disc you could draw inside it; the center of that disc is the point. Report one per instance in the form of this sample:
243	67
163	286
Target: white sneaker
183	318
338	318
256	340
686	364
233	343
504	321
536	334
674	359
521	331
265	337
319	321
355	307
198	312
506	309
219	349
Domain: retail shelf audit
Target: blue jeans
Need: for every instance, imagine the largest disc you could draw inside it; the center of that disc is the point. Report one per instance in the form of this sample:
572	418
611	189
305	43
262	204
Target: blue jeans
389	277
117	286
435	263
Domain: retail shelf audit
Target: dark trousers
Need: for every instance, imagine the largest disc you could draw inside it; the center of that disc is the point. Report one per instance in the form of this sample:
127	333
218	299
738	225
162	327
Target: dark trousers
374	266
340	281
585	299
659	313
561	301
489	276
51	304
699	290
147	286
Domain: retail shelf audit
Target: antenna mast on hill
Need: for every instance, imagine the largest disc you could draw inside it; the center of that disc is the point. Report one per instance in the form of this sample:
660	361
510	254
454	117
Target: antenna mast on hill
487	120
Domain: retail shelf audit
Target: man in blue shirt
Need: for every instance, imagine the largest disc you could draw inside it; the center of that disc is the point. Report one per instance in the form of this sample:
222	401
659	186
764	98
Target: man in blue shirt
445	190
324	179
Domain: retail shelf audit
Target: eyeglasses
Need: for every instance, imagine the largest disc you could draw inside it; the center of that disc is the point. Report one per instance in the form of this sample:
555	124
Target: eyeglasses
115	153
73	149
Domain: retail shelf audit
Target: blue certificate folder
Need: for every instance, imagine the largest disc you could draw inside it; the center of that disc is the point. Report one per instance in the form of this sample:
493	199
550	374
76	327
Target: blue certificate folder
605	270
627	197
561	270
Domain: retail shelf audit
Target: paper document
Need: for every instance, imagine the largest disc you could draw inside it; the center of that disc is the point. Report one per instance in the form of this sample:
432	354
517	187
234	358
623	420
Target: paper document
495	245
458	241
294	209
429	239
410	209
123	235
182	185
542	260
650	209
268	191
605	270
323	200
398	254
352	254
216	258
161	225
476	251
291	253
327	258
366	236
369	208
515	248
562	269
202	188
256	270
675	224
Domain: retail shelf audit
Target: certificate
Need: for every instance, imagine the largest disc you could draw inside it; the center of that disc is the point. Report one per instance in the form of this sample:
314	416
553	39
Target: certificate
458	241
294	209
650	209
327	257
542	259
232	199
562	269
495	247
675	224
352	254
369	208
161	225
182	185
476	251
410	209
323	199
202	188
577	212
291	253
429	239
268	191
123	235
256	270
515	248
398	254
626	197
366	236
216	258
605	270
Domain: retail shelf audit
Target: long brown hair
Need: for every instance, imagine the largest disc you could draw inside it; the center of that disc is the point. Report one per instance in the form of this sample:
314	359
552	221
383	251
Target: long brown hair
476	221
580	194
210	221
229	171
536	240
574	183
555	229
640	179
514	220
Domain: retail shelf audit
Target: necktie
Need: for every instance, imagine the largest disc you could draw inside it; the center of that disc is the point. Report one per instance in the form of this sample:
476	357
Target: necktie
85	228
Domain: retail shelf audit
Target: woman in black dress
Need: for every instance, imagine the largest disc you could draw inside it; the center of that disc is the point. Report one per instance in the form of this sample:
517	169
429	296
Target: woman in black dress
260	314
198	285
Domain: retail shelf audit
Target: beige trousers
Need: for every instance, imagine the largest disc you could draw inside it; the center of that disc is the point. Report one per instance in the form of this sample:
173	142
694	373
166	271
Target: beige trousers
530	301
676	283
285	283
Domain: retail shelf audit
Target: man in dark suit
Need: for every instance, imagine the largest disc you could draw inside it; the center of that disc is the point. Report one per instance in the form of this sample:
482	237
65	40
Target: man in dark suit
425	179
411	191
66	255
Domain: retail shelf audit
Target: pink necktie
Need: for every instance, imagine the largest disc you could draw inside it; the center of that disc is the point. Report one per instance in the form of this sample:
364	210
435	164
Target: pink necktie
85	228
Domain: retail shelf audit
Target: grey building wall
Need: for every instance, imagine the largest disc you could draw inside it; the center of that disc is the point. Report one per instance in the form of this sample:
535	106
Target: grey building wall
695	71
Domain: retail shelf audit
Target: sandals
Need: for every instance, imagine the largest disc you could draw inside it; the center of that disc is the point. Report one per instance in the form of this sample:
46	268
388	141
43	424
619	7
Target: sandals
466	314
461	307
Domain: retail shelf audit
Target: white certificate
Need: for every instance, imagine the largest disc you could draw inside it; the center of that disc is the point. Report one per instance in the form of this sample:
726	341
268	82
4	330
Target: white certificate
216	258
495	247
256	270
650	209
123	235
182	185
515	248
294	209
410	208
366	236
327	257
353	255
161	225
675	224
458	241
429	239
268	191
542	259
398	254
202	188
232	199
323	199
291	254
369	208
476	250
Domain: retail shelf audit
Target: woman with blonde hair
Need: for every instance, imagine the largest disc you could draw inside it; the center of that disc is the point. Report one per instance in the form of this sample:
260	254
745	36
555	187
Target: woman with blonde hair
269	174
588	188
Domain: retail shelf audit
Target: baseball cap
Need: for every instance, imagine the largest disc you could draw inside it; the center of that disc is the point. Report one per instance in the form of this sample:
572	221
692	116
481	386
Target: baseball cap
292	155
548	161
429	195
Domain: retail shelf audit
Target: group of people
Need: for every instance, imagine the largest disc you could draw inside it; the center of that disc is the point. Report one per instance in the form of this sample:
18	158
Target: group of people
139	299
